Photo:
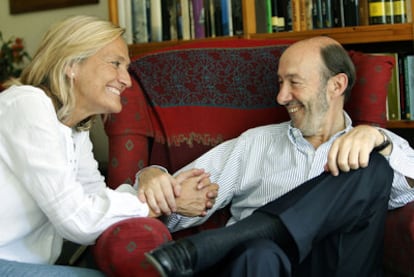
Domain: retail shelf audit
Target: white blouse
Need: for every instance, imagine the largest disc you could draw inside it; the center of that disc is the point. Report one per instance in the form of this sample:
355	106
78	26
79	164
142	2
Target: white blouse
50	186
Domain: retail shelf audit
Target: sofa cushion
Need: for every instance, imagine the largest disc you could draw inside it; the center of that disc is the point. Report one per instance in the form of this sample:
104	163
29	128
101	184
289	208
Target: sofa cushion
119	251
369	95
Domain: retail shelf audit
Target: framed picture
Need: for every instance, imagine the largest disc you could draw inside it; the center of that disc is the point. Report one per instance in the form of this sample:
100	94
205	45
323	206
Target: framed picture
24	6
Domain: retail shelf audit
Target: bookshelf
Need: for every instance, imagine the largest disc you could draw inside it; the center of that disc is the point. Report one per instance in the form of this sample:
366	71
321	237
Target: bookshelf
386	36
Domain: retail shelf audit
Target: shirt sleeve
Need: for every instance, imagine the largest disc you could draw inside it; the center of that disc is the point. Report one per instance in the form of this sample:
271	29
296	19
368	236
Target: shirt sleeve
76	202
401	161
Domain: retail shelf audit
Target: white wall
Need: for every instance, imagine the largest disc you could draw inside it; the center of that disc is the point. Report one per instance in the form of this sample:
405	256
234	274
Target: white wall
31	27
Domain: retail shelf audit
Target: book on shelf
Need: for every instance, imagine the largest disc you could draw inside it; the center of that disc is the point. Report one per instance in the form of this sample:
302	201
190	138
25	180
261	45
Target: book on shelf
125	19
408	10
401	72
273	16
317	20
388	11
218	22
351	12
363	6
180	19
327	18
285	6
399	12
172	10
300	15
377	11
198	17
226	15
409	86
139	21
268	16
156	20
237	17
165	20
184	26
308	6
277	17
209	18
296	26
261	20
304	20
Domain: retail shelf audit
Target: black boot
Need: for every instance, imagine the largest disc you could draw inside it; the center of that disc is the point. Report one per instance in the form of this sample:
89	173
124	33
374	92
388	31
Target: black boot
174	259
201	251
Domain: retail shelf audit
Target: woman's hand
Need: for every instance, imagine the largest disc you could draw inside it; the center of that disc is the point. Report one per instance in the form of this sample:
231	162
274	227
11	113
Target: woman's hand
161	191
198	195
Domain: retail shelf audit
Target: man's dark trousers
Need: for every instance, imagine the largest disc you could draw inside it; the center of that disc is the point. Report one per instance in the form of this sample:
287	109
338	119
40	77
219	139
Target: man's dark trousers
337	223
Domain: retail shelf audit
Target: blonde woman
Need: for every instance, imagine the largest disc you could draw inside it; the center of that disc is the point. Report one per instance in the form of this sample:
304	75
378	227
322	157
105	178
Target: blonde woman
50	185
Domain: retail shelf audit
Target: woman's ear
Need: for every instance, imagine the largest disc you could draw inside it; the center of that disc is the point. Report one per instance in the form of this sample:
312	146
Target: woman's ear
70	71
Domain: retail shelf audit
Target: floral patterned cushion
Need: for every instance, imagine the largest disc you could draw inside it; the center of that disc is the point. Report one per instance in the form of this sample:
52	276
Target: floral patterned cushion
120	249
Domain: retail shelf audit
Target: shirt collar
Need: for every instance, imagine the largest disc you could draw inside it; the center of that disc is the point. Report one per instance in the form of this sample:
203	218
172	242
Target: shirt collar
295	135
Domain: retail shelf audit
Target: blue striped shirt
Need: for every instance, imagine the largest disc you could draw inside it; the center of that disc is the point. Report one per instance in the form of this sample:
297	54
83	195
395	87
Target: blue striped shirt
266	162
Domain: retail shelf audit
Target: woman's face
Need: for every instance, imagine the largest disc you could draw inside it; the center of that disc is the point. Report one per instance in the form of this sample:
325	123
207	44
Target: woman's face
99	80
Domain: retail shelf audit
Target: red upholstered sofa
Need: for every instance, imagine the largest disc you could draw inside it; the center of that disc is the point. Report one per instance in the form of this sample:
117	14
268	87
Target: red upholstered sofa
189	98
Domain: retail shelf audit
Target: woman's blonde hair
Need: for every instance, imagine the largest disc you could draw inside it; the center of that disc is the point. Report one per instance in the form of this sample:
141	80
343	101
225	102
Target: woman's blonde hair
66	43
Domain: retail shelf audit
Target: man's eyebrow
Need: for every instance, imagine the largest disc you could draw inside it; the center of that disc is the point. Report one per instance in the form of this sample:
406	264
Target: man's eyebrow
289	75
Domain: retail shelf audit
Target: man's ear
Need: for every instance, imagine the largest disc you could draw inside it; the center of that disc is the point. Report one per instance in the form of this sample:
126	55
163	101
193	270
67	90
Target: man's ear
339	84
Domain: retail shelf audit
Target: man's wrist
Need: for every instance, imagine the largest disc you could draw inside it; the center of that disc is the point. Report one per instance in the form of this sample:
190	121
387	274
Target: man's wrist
385	143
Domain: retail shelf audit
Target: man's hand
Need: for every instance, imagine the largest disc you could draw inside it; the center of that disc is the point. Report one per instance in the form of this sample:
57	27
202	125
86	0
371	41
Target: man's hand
159	189
352	150
197	196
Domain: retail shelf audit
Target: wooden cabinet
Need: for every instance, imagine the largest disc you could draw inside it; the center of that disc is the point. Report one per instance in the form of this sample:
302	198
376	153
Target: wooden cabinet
369	38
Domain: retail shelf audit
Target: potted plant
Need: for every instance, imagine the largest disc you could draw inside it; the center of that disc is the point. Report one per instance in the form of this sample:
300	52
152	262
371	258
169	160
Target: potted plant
12	58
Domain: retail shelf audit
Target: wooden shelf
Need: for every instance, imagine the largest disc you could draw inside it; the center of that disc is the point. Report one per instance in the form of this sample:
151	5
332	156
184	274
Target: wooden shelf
351	35
400	124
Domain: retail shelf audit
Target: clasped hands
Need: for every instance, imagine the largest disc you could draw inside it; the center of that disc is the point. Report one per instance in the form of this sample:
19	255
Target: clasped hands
190	193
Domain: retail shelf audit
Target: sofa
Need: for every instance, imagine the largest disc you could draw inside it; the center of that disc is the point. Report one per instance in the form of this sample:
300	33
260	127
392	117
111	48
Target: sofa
188	98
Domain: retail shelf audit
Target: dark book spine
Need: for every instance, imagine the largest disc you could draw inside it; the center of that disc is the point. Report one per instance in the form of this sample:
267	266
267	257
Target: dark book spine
351	12
317	19
278	20
286	7
218	23
261	22
165	15
402	86
237	17
207	22
327	14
